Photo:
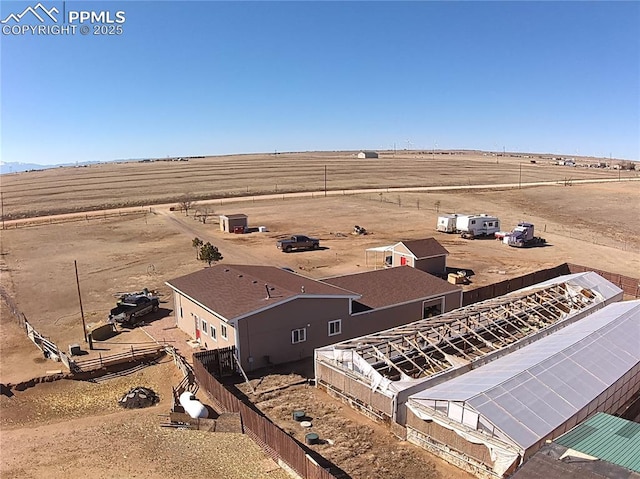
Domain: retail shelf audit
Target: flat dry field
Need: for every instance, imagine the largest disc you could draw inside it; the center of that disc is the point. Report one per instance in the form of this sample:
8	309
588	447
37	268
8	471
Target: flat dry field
143	183
594	225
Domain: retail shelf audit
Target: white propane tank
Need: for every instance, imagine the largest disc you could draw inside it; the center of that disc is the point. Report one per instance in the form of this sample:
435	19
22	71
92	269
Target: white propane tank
192	406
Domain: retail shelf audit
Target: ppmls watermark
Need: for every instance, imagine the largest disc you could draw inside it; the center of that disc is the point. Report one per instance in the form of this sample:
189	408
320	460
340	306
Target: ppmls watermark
39	20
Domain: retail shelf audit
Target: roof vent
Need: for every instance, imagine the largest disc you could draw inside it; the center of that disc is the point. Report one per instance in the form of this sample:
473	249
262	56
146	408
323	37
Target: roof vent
302	288
226	270
255	281
239	276
266	286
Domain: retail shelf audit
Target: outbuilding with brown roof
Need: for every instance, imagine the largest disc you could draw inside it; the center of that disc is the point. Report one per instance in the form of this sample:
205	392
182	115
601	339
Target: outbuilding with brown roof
424	254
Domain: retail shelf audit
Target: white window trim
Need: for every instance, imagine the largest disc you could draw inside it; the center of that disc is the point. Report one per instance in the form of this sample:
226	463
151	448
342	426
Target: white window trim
205	327
339	329
224	334
213	333
302	332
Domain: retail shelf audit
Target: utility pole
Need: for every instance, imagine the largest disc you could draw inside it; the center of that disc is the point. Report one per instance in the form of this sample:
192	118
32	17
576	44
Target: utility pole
325	181
84	326
520	177
2	206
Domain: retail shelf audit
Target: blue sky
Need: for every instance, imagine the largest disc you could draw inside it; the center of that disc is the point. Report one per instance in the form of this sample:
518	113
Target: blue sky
204	78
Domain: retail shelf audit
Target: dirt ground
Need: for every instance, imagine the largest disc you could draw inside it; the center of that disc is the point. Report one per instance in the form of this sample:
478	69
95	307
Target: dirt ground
76	429
362	448
594	225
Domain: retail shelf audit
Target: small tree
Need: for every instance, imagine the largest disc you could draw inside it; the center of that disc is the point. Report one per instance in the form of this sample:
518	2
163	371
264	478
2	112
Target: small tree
204	212
209	253
197	244
186	203
437	205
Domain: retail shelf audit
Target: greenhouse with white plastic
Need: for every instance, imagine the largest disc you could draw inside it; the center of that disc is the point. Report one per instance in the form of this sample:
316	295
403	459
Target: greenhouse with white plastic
511	406
441	382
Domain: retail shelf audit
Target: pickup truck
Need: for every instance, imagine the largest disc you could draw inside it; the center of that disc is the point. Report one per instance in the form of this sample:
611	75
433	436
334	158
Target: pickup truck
298	242
131	308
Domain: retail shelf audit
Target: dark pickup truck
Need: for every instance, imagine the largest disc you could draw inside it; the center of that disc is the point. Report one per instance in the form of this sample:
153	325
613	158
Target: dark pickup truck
131	308
298	242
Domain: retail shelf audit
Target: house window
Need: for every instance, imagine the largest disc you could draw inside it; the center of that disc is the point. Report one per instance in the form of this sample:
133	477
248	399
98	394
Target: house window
181	311
223	331
335	327
213	333
204	327
431	308
298	335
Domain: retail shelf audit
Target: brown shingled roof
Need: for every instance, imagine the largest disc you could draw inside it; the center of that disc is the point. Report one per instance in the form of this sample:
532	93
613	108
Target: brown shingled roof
386	287
425	248
233	291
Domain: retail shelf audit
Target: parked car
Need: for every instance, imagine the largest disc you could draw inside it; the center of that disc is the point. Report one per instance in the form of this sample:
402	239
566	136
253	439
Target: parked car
298	242
132	307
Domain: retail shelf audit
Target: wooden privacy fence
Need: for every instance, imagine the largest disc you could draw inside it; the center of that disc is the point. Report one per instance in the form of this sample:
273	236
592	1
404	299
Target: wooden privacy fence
630	286
503	287
273	440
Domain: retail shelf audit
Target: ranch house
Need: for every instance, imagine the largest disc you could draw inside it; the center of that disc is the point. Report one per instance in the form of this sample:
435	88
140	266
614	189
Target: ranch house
275	316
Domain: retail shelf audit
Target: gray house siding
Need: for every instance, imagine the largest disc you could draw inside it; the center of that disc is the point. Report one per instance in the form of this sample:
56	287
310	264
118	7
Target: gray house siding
436	265
376	320
266	337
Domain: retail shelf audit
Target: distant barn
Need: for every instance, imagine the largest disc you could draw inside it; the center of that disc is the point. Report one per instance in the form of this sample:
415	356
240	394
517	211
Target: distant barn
367	154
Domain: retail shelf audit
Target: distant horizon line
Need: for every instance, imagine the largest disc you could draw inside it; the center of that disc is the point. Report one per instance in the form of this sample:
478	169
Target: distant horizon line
276	152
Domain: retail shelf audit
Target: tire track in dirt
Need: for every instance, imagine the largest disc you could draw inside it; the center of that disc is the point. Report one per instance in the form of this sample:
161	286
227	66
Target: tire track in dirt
238	254
305	194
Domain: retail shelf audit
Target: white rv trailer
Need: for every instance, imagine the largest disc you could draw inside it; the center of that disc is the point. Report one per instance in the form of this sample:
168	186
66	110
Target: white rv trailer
447	223
477	225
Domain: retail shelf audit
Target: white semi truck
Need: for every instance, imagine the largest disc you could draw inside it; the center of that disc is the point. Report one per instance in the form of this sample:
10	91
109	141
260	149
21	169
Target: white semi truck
522	236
